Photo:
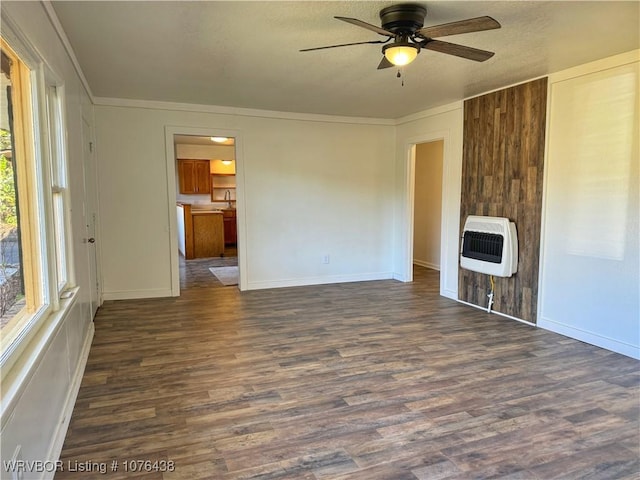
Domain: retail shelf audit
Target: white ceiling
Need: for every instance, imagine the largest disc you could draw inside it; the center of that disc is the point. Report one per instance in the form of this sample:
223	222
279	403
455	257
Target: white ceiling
245	54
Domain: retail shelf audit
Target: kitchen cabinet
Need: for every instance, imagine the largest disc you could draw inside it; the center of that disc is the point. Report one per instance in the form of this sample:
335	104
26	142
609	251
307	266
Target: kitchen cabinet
207	241
194	176
230	226
223	188
200	232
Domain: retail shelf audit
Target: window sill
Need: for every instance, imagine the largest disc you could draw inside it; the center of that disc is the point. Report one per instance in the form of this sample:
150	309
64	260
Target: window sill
19	365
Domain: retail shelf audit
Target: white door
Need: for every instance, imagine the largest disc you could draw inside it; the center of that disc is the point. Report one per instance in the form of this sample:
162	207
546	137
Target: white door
90	208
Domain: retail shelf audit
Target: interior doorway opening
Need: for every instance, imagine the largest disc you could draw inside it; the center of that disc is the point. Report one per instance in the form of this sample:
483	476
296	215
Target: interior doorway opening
427	204
203	181
206	209
427	225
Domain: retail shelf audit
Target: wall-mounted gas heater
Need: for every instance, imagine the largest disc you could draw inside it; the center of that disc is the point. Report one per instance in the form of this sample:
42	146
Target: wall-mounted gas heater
489	245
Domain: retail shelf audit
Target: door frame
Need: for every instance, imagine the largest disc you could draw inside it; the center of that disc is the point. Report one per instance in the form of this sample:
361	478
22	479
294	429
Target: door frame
448	245
170	154
414	164
91	207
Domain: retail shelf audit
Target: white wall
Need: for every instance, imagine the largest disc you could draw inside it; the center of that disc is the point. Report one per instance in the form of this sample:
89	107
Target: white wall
206	152
427	211
38	391
439	123
590	276
308	186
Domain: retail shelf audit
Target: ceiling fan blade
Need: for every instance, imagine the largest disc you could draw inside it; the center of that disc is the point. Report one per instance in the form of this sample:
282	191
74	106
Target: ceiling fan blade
384	63
340	45
368	26
477	24
469	53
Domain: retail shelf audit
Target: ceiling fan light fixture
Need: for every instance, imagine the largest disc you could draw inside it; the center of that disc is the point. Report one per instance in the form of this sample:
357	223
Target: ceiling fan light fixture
400	54
219	139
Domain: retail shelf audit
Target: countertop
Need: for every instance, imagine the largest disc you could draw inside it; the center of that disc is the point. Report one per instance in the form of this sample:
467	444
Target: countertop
206	212
197	209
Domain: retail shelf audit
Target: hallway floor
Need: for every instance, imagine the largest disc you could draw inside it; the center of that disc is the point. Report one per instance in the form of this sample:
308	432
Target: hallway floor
195	272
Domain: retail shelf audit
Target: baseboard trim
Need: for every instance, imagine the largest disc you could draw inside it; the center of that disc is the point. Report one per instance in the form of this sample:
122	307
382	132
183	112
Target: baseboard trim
591	338
65	418
135	294
452	294
430	265
399	277
306	281
497	313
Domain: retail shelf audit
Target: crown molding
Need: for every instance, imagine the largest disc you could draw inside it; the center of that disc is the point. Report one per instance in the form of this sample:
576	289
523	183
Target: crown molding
57	26
250	112
430	112
245	112
620	59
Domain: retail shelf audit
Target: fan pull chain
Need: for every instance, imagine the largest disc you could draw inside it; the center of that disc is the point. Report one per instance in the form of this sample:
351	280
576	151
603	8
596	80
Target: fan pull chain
399	75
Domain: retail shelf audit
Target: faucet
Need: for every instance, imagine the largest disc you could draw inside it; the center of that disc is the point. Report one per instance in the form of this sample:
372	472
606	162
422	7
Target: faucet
227	197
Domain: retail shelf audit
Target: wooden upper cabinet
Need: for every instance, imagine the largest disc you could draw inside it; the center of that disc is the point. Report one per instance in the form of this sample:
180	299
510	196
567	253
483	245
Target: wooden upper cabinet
194	176
203	177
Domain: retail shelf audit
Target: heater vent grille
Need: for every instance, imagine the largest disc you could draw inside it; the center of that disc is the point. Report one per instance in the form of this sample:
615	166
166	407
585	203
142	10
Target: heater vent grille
489	245
483	246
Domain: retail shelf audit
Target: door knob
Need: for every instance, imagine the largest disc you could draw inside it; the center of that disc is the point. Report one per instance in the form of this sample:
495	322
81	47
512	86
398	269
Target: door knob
91	240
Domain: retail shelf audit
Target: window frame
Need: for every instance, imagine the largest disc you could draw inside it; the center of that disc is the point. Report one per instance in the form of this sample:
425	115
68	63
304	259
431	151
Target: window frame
58	187
41	153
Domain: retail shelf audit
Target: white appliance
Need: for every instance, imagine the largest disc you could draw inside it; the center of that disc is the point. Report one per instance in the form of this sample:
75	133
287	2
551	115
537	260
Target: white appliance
489	245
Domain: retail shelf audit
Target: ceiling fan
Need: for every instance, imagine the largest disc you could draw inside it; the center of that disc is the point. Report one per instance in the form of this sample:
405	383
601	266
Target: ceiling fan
403	25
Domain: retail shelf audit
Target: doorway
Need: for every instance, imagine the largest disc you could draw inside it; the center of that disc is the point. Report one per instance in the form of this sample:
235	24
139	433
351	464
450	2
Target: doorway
427	204
205	207
206	210
449	217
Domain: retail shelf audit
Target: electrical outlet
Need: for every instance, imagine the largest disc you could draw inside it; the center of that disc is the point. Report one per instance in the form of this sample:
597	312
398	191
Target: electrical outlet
325	259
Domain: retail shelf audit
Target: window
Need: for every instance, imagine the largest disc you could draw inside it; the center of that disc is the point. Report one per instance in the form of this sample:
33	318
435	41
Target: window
59	193
15	290
34	224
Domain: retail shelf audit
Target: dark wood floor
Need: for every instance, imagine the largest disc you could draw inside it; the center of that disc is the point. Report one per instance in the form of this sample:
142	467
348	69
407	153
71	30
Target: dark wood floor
373	380
195	273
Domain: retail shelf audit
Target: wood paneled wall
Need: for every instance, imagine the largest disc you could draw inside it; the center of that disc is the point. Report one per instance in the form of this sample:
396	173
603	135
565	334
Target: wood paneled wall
502	172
